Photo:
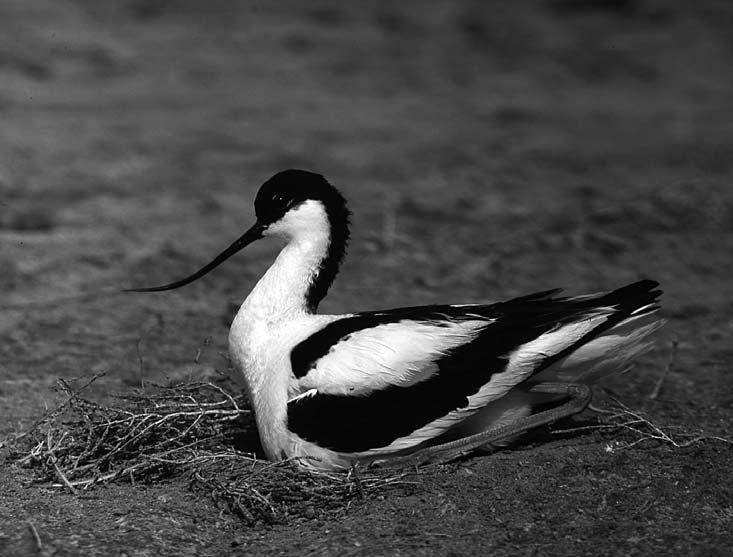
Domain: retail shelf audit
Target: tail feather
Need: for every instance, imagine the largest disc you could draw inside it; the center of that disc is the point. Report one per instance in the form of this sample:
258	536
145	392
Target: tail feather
612	344
610	347
610	352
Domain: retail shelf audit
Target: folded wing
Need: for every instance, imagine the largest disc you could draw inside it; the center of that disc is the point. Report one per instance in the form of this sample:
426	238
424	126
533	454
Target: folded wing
388	381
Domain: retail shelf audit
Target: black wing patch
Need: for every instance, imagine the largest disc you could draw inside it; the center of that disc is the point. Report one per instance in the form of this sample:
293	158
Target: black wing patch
352	424
305	355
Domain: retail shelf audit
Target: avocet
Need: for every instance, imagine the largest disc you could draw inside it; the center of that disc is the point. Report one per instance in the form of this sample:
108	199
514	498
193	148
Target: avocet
410	384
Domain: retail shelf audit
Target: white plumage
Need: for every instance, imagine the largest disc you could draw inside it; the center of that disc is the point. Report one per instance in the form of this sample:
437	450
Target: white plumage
393	354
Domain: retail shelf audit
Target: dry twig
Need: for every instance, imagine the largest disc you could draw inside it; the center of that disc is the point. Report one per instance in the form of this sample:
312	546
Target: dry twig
622	418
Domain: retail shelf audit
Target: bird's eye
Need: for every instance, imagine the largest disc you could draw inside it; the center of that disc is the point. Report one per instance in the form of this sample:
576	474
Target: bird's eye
279	199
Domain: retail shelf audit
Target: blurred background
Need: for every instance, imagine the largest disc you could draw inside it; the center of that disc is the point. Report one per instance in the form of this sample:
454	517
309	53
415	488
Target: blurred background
487	149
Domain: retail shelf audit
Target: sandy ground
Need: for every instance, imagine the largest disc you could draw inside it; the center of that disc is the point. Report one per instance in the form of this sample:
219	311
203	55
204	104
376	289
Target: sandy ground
487	152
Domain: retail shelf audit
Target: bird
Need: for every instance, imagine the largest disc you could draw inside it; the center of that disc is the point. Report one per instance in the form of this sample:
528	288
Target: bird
407	385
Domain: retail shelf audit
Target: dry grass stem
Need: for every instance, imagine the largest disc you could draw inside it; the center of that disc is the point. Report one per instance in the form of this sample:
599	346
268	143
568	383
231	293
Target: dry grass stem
621	418
36	536
672	357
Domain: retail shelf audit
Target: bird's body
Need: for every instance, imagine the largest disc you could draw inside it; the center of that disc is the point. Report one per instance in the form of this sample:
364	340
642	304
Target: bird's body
375	386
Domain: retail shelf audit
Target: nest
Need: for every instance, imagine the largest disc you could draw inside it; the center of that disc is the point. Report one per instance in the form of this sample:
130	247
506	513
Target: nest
195	430
190	430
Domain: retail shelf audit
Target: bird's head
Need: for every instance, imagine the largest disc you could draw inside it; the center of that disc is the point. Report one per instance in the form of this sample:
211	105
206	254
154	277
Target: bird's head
293	204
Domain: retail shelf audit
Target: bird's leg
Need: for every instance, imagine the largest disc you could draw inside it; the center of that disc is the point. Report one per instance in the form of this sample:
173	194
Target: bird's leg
579	396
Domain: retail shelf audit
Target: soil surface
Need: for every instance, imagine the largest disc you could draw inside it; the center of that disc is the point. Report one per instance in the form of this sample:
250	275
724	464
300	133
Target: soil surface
487	150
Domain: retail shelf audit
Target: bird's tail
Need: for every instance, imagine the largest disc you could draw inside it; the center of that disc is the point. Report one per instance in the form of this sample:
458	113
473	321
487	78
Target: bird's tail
610	347
611	351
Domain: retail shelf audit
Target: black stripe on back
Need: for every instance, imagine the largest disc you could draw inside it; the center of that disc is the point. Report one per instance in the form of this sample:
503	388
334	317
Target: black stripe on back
351	424
306	354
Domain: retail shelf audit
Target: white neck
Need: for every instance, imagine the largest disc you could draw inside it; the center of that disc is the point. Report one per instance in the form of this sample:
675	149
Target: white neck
282	290
278	300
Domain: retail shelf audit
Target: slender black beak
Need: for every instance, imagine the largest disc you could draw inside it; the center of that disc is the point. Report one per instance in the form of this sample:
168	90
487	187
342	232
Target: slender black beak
254	233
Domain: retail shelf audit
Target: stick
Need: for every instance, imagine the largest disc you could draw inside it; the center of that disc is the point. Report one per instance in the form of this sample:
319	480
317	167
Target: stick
36	537
64	479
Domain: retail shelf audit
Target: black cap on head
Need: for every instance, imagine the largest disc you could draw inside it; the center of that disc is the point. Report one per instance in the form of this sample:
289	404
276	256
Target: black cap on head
287	189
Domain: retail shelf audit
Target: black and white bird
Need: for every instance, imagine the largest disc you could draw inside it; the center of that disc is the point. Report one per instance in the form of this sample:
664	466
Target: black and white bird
410	384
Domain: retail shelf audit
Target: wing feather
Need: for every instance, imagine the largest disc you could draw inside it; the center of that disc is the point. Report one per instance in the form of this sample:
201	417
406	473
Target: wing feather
387	381
392	354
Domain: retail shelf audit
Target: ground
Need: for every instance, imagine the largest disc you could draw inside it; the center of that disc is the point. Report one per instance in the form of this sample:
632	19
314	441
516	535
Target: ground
486	149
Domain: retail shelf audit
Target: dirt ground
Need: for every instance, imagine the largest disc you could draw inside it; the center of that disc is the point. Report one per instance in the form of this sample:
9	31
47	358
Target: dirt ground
487	150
